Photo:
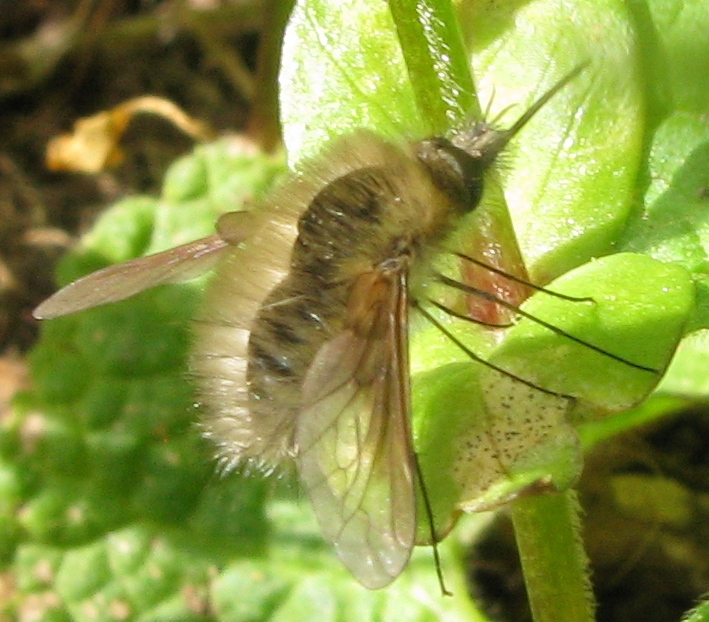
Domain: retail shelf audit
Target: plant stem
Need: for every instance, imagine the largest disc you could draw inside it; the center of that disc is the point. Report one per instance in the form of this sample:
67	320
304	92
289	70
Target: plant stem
547	527
436	60
439	71
555	566
264	118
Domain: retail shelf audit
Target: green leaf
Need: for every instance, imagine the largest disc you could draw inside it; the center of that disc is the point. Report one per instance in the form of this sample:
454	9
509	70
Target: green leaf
675	49
571	183
107	459
300	576
342	70
700	614
132	572
573	179
496	435
686	376
674	223
637	311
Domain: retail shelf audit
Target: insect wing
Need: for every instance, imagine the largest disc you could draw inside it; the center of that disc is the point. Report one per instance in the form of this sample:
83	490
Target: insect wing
354	440
127	279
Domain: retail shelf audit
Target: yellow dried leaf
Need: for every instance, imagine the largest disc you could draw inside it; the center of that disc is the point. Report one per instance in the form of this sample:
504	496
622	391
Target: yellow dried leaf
93	144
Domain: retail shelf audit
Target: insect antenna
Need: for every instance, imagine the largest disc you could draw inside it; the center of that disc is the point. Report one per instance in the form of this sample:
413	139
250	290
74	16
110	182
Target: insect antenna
468	289
488	108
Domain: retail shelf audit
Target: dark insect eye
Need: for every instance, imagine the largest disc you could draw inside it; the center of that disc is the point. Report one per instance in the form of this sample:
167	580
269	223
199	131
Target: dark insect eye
456	171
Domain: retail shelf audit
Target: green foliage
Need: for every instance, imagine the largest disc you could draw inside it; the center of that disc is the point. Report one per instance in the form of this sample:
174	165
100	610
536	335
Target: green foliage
108	489
109	505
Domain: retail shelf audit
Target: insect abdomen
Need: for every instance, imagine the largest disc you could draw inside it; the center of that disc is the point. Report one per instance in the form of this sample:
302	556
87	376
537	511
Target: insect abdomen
366	202
354	225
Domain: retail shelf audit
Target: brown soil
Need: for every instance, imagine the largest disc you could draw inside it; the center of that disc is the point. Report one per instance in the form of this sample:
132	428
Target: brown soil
61	60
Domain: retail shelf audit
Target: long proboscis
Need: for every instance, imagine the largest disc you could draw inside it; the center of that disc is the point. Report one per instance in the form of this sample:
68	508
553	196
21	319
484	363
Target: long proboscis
508	134
489	141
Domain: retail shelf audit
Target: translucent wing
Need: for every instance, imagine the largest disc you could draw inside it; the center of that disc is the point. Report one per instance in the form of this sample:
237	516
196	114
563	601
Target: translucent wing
353	434
127	279
171	266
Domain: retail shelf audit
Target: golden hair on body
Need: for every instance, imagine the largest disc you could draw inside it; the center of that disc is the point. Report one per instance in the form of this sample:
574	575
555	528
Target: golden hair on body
301	346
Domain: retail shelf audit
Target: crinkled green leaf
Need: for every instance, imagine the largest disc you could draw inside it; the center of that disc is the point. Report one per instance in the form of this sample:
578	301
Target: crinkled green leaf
106	439
300	579
572	180
128	574
674	222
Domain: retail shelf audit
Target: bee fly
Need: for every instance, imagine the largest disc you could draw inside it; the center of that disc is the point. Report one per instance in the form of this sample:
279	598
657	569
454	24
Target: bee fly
301	347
